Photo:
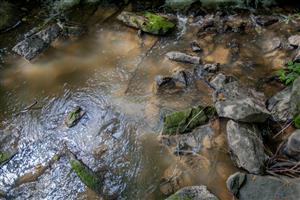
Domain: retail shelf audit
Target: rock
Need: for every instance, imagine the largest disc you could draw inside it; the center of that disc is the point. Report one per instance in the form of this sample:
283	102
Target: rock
35	44
195	46
246	146
193	193
4	156
211	67
279	105
266	20
236	22
189	143
65	4
86	175
297	57
253	187
74	116
292	147
179	80
147	22
294	40
185	121
182	57
220	80
240	104
295	97
271	44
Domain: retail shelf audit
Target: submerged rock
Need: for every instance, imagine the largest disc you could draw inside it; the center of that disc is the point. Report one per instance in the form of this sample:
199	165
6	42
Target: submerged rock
147	22
193	193
185	121
295	97
189	143
220	80
294	40
253	187
4	156
246	146
279	105
292	147
266	20
182	57
74	116
36	43
240	104
86	175
271	44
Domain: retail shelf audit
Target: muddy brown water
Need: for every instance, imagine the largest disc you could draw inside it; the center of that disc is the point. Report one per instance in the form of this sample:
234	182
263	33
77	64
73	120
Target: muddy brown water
111	68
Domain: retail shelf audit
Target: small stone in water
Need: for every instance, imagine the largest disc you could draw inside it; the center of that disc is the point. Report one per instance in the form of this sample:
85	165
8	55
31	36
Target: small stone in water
195	46
74	116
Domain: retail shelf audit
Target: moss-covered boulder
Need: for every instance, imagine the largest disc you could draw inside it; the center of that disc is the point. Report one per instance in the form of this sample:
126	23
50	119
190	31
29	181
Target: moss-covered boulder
186	120
74	116
147	22
193	193
4	156
86	175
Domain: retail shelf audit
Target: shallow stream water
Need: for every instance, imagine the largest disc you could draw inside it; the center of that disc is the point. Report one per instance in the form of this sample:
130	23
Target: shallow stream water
110	74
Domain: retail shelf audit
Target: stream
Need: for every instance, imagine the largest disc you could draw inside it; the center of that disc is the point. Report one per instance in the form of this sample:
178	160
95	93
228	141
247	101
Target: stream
109	72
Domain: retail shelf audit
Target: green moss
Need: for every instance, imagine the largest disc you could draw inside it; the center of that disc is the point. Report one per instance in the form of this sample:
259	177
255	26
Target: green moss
187	120
74	116
4	156
157	24
86	175
297	121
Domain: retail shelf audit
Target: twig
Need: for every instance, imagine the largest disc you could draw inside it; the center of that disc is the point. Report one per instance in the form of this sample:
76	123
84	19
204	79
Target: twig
287	126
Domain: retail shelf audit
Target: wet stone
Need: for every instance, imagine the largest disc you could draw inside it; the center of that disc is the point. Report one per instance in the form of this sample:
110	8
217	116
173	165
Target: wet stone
195	46
246	146
295	97
252	187
220	80
182	57
193	193
297	56
74	117
271	44
36	43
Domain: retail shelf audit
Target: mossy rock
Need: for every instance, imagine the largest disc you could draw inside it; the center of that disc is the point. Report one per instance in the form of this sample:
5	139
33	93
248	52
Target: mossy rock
147	22
6	14
74	116
86	175
297	122
186	120
4	156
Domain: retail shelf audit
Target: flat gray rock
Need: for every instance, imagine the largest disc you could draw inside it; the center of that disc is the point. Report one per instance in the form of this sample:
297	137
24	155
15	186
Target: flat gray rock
240	104
292	147
253	187
246	146
294	40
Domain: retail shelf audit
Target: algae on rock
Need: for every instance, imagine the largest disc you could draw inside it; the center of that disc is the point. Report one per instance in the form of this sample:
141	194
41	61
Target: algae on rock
185	121
4	156
86	175
147	22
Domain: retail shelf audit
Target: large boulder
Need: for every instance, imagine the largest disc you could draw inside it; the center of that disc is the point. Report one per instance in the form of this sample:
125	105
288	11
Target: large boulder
292	147
185	121
246	146
147	22
193	193
240	104
295	97
253	187
36	43
279	105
